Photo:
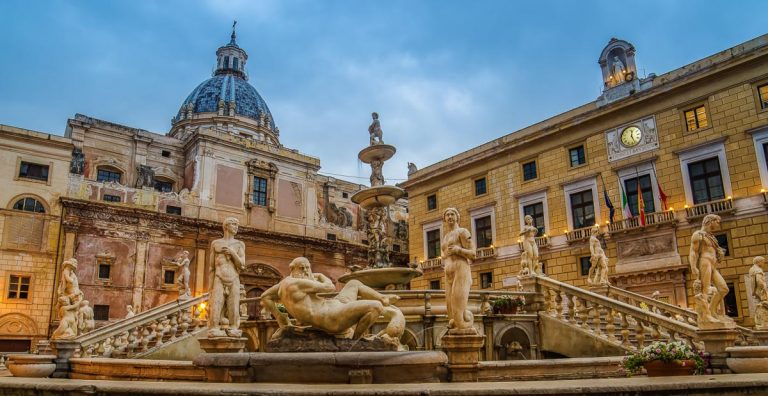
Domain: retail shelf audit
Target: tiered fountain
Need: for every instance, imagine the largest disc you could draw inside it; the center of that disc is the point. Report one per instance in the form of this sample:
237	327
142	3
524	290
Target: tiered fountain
380	274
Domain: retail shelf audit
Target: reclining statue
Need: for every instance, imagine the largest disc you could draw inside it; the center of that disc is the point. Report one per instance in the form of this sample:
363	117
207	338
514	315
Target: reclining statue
349	314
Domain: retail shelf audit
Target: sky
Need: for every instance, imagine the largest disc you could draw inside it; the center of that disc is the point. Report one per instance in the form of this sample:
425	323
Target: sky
445	76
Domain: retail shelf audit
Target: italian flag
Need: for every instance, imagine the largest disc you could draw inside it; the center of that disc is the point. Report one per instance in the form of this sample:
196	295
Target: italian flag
625	204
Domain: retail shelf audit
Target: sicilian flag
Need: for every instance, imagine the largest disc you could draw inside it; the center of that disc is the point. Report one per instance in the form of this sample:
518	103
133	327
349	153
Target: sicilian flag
625	211
608	202
640	204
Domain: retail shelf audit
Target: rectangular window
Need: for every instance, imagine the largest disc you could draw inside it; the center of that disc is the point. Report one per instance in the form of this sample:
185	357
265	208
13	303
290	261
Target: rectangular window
731	307
543	267
103	175
174	210
484	232
260	191
396	248
165	153
706	180
630	187
434	284
584	265
480	187
576	155
330	237
486	280
432	202
765	153
101	312
169	277
696	118
18	287
529	171
104	271
163	186
536	211
582	209
722	241
433	244
29	170
762	93
110	198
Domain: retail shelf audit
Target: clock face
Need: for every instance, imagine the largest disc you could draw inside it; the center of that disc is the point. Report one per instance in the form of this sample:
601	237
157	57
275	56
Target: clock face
631	136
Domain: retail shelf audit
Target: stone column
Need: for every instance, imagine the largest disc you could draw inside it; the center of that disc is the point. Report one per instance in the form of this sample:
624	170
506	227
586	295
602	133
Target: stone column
139	269
64	350
489	334
463	352
199	270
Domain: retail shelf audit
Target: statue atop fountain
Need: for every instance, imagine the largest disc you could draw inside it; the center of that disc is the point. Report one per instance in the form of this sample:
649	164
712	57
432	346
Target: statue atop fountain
346	316
374	130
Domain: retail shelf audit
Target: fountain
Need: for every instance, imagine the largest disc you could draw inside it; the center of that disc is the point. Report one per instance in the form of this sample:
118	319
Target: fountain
381	273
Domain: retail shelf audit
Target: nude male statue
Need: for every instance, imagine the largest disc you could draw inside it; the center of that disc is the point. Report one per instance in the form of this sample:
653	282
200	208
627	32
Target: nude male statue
355	306
374	130
227	259
703	258
598	272
759	292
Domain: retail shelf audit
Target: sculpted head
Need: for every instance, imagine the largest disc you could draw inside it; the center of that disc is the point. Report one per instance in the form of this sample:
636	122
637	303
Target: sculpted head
759	261
184	254
528	220
711	222
71	263
375	115
300	268
231	224
451	216
595	230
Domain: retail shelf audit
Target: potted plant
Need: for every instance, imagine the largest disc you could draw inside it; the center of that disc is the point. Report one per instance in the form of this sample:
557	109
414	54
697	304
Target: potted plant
665	359
507	304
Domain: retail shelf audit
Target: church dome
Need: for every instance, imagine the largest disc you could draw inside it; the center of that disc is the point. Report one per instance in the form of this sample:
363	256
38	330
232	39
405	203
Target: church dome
228	92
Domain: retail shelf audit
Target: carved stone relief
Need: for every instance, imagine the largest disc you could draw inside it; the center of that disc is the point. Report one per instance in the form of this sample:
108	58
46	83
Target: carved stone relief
648	139
646	246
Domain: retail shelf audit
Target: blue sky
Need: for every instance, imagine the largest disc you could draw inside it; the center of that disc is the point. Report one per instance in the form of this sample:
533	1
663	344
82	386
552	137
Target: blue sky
444	75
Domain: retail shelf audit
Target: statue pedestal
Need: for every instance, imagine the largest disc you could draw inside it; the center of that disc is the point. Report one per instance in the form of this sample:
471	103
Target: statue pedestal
222	344
715	343
64	350
762	336
463	350
599	289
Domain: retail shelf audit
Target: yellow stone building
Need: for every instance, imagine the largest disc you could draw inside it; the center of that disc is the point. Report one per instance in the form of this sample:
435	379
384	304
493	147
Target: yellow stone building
697	135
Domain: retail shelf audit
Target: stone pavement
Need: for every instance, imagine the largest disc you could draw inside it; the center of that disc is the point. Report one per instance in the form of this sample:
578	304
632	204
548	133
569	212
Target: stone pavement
729	384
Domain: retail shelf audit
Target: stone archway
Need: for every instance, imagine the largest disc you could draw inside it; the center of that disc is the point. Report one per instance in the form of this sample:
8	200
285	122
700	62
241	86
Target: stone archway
17	331
514	344
256	278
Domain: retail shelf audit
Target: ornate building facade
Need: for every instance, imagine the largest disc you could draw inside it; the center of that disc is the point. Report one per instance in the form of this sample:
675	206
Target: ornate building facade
688	143
126	202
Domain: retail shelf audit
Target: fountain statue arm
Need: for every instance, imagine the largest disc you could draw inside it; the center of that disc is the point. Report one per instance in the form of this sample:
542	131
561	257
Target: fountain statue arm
268	301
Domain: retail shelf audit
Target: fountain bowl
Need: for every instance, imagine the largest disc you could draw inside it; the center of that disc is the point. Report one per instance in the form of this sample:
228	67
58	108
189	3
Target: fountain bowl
380	278
381	152
377	197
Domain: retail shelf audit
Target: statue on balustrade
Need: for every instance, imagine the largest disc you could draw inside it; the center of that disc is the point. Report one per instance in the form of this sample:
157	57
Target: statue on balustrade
759	292
704	257
69	298
374	130
529	256
348	314
458	251
183	280
598	271
227	259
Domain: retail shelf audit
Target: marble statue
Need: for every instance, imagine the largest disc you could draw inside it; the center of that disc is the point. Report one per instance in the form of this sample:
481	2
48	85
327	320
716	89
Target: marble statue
378	253
374	130
77	164
243	304
412	168
703	258
457	253
349	314
183	280
85	321
598	271
529	257
146	176
377	177
227	259
129	312
759	292
618	70
68	300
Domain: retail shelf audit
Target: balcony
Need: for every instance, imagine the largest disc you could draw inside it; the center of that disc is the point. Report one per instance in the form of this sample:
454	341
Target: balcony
435	263
651	219
578	234
723	206
486	252
541	242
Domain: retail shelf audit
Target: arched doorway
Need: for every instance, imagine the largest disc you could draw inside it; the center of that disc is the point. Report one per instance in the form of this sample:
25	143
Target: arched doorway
257	278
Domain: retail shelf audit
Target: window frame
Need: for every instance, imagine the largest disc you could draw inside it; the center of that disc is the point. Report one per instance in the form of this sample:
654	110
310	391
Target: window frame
426	228
163	180
479	213
24	197
693	108
706	177
581	265
643	169
111	170
27	177
760	138
431	283
432	195
583	147
535	163
21	276
484	180
35	161
96	312
578	186
167	207
701	152
531	199
258	193
489	274
104	196
758	100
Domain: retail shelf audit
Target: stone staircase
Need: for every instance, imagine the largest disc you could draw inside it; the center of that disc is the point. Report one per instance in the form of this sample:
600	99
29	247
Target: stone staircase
147	332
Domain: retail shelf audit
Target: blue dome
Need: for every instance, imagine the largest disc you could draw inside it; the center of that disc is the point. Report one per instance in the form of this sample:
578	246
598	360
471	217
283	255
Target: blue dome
228	87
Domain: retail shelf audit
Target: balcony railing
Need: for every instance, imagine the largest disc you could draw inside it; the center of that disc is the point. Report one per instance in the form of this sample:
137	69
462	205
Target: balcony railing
578	234
435	263
651	219
486	252
712	207
541	242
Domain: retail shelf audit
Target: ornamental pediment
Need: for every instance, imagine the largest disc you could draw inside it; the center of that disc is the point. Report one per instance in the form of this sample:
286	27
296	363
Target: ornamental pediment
632	138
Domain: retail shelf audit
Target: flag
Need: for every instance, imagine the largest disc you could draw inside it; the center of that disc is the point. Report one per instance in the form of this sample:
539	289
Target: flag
608	203
625	204
640	204
662	196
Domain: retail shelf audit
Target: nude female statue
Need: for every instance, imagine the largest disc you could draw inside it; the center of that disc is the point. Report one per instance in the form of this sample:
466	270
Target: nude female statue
457	254
228	259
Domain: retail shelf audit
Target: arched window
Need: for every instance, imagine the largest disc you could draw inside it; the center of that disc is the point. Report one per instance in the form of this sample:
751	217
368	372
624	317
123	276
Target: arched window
29	205
108	175
226	62
234	63
163	185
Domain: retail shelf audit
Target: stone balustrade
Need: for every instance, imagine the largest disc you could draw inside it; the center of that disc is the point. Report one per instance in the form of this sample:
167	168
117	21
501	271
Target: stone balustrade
431	264
145	332
486	252
722	206
578	234
651	219
541	242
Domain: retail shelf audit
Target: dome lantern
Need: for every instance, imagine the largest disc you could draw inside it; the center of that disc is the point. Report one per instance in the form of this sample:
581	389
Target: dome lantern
230	59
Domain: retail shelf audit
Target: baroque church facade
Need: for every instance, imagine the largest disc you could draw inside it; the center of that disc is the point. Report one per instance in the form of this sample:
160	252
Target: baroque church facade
126	203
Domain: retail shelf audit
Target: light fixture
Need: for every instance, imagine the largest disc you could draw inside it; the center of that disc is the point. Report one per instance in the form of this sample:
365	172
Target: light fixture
730	197
686	206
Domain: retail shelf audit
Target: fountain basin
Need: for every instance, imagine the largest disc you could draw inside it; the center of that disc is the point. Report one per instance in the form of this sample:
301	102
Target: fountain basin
35	366
377	197
380	278
380	152
747	359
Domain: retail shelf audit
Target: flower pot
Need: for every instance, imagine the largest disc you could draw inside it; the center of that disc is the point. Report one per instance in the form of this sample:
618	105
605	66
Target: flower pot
506	310
658	368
